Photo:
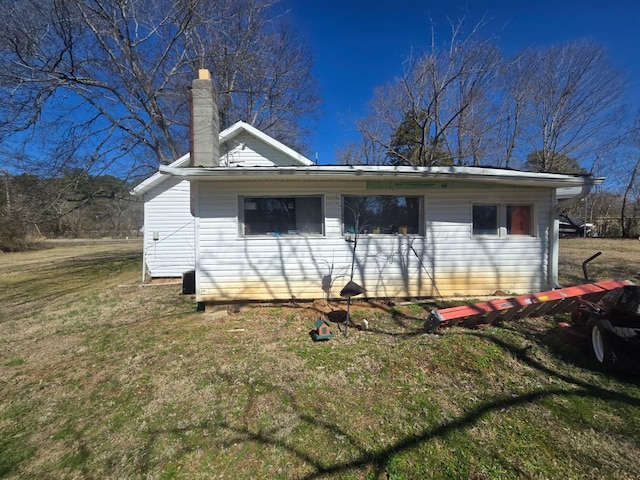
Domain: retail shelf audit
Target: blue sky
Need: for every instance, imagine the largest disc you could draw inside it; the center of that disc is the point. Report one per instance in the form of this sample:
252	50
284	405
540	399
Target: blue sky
358	45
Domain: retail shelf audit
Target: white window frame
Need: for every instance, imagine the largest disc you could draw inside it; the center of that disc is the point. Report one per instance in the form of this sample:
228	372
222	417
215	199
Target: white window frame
502	220
290	232
366	228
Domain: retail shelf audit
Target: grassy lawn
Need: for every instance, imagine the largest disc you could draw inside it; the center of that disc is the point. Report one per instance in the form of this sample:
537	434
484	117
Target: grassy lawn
103	378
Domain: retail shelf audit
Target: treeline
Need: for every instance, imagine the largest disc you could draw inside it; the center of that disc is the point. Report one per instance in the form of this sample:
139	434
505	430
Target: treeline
611	215
74	205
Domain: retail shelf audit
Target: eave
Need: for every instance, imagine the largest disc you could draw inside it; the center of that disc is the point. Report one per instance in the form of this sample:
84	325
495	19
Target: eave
157	178
389	173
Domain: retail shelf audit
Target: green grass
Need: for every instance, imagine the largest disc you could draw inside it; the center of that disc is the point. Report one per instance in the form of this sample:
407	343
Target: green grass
112	380
15	362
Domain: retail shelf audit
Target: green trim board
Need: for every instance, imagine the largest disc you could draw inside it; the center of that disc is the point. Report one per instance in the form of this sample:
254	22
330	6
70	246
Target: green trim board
405	185
430	185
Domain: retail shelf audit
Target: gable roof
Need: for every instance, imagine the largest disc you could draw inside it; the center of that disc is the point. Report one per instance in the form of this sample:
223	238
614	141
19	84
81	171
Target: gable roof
242	127
226	136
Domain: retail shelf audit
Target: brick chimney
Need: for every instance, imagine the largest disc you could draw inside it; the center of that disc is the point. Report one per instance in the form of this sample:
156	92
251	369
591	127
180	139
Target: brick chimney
204	134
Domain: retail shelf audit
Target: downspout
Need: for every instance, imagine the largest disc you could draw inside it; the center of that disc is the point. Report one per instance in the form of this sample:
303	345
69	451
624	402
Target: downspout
144	242
554	235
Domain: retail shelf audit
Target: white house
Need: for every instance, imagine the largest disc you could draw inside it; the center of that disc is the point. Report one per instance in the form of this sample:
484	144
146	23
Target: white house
168	233
280	232
169	225
271	231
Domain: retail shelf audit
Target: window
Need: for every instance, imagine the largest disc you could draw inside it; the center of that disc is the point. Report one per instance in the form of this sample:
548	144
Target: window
502	219
382	214
485	220
282	216
518	219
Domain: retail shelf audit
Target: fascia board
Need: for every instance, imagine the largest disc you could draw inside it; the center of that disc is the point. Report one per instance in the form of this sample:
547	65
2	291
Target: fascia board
481	175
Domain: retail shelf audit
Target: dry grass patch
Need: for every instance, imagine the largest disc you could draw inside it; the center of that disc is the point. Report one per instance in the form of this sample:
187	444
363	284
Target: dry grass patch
620	259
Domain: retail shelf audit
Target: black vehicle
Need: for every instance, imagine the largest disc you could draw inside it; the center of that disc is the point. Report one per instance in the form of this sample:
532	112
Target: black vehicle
570	227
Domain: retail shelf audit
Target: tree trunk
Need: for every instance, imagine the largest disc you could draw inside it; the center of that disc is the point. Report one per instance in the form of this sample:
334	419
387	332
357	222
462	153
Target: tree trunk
632	180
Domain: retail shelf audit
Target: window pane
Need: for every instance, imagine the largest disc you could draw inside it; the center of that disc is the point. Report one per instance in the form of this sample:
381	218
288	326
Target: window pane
519	219
282	216
485	219
382	214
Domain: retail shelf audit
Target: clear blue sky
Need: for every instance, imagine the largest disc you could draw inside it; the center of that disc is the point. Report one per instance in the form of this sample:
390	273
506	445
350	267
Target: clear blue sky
360	44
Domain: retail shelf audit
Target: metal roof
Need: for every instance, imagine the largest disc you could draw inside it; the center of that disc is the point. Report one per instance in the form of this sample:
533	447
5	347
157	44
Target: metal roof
382	172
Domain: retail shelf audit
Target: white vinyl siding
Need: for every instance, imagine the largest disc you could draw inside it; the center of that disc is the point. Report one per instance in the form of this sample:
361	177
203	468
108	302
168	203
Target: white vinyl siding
167	216
245	150
468	264
167	209
231	267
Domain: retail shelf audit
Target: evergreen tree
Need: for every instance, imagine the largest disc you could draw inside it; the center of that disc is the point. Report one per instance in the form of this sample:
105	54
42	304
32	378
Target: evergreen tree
412	145
540	161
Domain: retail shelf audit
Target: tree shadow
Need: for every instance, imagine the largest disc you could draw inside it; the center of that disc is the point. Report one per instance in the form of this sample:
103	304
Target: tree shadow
576	355
408	325
378	460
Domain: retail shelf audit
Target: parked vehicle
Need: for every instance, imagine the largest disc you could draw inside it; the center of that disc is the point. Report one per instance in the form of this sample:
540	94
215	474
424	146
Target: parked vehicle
571	227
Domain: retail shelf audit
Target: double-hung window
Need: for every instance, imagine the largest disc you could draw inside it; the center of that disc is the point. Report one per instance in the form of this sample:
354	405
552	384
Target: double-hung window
500	219
519	221
382	214
280	216
485	220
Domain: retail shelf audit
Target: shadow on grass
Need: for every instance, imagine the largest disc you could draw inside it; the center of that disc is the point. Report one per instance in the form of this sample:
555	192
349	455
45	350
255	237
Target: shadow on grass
584	389
410	323
68	278
379	460
576	355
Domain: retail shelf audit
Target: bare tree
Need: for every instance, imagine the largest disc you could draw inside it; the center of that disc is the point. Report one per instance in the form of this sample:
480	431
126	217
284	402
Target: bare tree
573	97
440	109
368	150
462	103
630	197
100	84
511	100
474	67
626	172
